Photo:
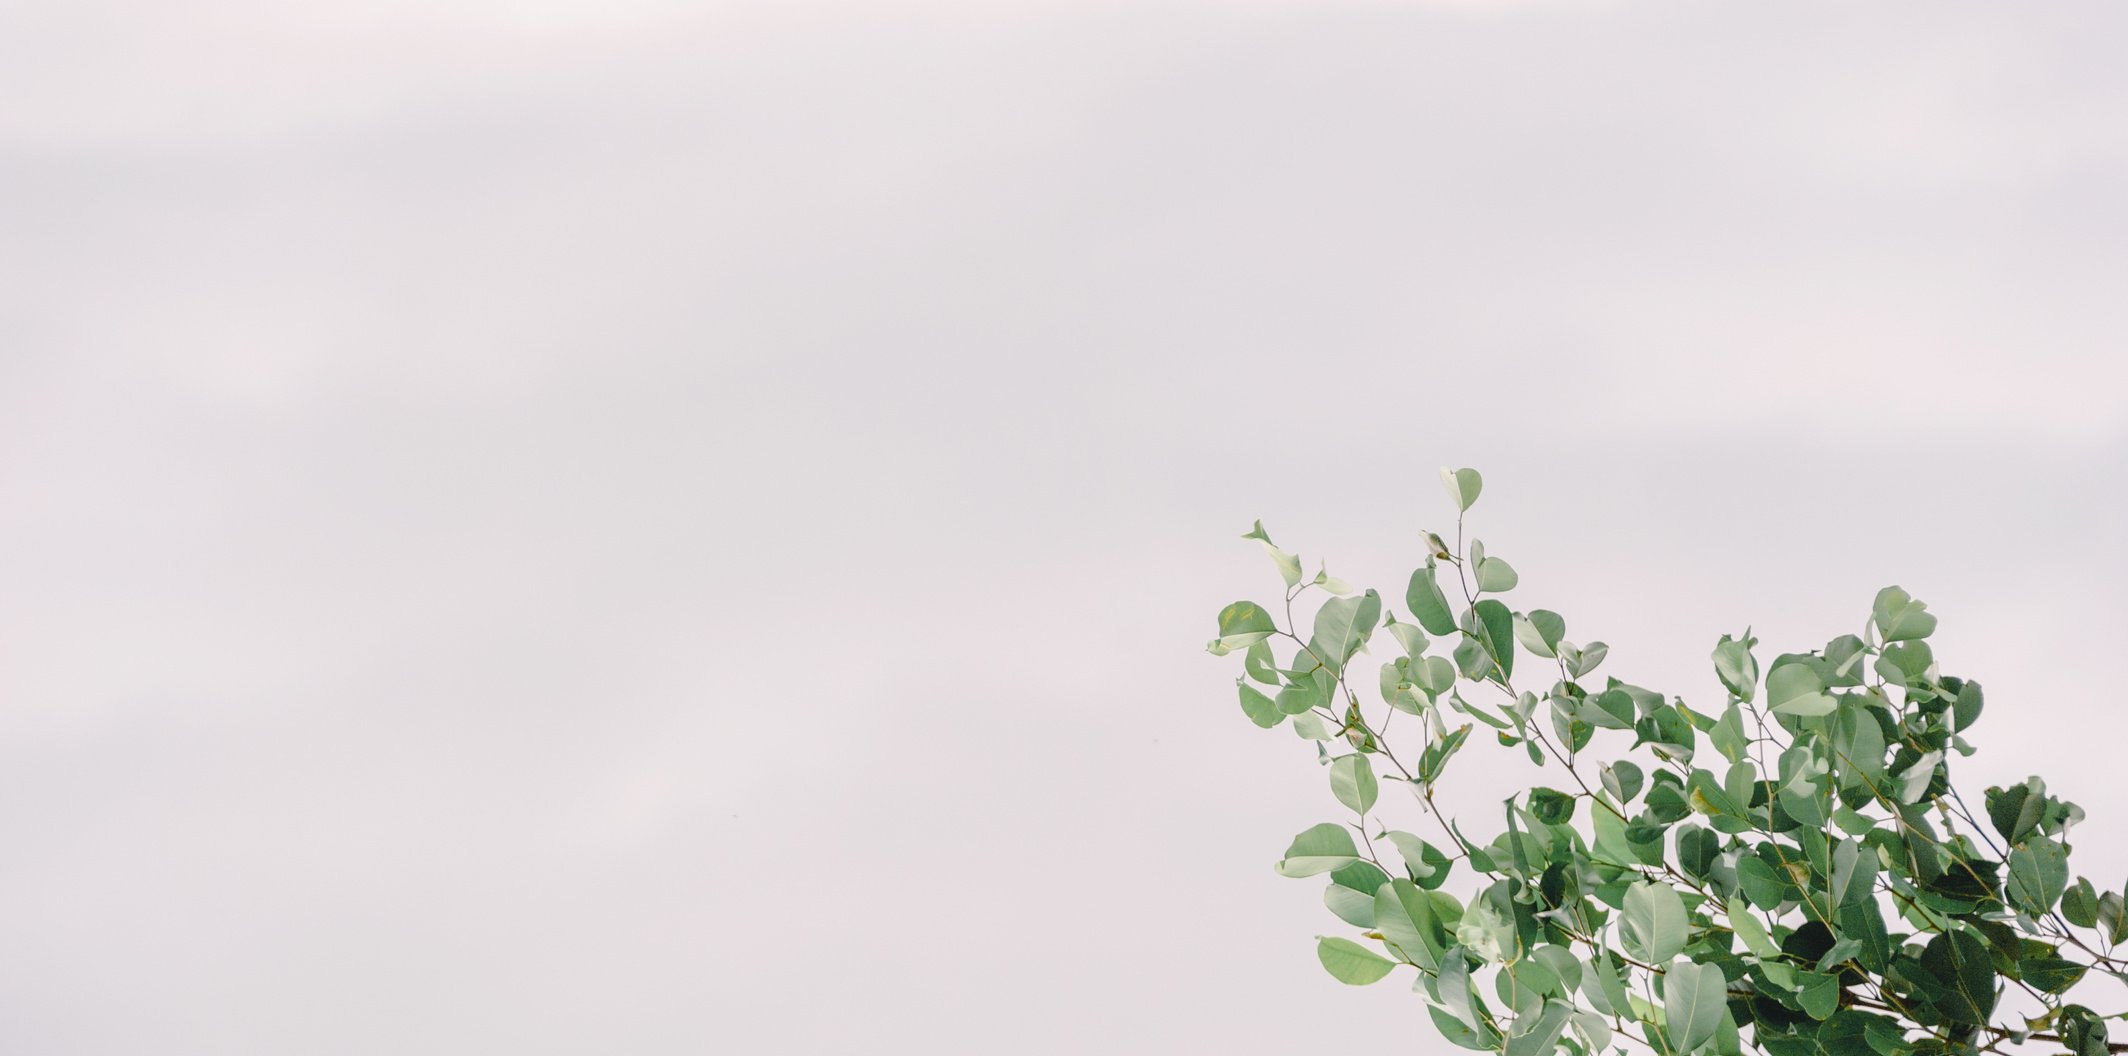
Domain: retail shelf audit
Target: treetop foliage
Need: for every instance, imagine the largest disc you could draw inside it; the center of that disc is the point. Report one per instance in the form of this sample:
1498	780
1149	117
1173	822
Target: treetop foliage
1789	870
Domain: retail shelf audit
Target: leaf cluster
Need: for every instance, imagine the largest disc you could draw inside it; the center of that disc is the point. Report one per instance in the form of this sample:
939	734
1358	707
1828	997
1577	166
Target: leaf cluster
1789	870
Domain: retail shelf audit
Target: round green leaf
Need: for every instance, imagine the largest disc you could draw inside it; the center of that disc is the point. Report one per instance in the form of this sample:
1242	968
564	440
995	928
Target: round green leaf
1462	485
1899	617
1496	576
1353	782
1653	923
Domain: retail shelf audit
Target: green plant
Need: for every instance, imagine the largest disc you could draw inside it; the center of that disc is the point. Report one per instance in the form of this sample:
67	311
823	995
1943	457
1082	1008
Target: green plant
1791	870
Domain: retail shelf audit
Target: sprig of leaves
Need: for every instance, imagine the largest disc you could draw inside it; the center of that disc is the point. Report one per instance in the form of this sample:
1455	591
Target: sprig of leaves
1788	870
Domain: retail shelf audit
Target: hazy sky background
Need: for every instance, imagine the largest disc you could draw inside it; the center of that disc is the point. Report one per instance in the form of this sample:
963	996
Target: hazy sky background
613	527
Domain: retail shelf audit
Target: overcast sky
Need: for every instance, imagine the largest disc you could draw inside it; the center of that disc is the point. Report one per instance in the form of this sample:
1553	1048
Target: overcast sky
649	527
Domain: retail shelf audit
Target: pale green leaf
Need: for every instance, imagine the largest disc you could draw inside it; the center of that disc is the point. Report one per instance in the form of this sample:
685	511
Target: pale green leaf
1794	689
1737	668
1242	624
1462	486
1748	928
1410	637
1453	983
1900	618
1350	962
1496	576
1352	780
1653	923
1541	1033
1319	850
1259	708
1427	865
1695	997
1342	625
1426	602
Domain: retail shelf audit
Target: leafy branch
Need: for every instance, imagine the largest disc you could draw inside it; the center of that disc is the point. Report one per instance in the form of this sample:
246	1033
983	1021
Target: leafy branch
1791	871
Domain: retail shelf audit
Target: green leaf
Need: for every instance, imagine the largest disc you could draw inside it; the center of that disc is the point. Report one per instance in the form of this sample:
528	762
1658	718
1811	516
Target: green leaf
1958	978
1695	997
1440	752
1426	602
1857	748
1582	659
1818	993
1854	873
1496	627
1739	784
2080	904
1351	892
1353	907
1906	663
1259	664
1434	675
1622	780
1487	933
1551	806
1304	693
1794	689
1241	624
1612	709
1542	1035
1668	730
1463	486
1709	799
2039	873
1403	914
1259	708
2016	811
1351	963
1353	782
1899	618
1288	565
1736	667
1318	850
2083	1032
2044	969
2113	917
1459	1035
1728	735
1342	625
1965	711
1603	986
1909	783
1653	922
1540	632
1429	867
1496	576
1696	850
1748	928
1765	888
1561	963
1331	583
1409	636
1453	984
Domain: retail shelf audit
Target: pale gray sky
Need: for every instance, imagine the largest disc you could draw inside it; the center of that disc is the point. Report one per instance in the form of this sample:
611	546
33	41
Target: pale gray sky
662	528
